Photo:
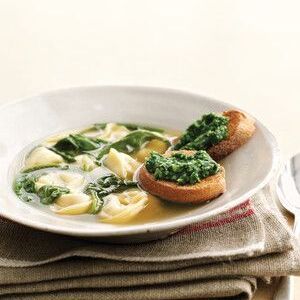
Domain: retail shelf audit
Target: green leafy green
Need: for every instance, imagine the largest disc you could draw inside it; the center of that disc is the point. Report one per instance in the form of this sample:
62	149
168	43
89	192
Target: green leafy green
99	126
24	186
109	184
76	144
129	126
97	203
131	142
181	168
49	193
204	133
104	186
60	167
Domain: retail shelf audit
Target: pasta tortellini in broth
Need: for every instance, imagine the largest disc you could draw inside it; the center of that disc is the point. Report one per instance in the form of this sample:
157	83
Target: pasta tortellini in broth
52	140
85	162
71	180
113	132
121	164
91	171
72	204
123	207
42	156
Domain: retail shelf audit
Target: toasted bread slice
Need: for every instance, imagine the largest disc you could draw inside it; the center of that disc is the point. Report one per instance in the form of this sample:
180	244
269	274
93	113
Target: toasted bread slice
241	127
207	189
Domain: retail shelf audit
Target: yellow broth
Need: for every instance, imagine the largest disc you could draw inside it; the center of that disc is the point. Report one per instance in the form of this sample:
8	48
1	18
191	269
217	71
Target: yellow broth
155	209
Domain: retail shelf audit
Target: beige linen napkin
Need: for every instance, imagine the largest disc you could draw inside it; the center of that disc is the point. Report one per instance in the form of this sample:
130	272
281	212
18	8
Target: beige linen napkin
221	257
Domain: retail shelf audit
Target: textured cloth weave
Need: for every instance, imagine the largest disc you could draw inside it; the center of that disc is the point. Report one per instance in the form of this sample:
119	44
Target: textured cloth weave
221	257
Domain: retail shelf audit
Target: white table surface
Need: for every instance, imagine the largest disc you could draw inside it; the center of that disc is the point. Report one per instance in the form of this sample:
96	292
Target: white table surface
243	52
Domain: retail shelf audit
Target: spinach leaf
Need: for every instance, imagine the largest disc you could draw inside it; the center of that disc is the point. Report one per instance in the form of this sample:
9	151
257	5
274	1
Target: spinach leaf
97	203
60	167
109	184
76	144
129	126
104	186
49	193
99	126
24	186
132	142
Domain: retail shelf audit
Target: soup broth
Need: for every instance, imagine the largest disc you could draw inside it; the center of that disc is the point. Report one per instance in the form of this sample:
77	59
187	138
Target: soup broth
92	171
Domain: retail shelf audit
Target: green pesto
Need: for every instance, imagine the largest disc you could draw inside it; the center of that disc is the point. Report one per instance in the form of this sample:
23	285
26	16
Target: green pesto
204	133
181	168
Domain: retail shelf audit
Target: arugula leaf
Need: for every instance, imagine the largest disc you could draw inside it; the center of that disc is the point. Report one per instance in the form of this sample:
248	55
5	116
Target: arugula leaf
76	144
104	186
49	193
24	186
132	142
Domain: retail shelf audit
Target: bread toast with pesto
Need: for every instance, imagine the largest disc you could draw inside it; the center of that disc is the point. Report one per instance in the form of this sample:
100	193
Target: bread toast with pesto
206	189
241	127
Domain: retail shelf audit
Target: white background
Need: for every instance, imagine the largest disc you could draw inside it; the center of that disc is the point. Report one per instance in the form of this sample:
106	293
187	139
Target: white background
243	52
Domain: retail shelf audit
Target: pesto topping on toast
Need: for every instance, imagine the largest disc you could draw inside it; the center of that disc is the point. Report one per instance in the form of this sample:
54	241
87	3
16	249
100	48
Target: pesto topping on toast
181	168
204	133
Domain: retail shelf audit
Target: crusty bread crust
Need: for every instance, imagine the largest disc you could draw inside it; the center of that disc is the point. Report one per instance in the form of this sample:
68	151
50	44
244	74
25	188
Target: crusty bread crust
207	189
241	127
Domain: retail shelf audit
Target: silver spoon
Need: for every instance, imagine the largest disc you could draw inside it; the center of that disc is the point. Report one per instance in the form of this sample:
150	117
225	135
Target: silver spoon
288	190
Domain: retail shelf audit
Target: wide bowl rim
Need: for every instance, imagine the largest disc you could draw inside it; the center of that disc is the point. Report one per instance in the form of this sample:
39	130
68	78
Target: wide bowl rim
170	225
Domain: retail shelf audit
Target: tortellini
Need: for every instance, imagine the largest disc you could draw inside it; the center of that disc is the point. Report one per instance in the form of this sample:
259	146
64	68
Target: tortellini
72	204
52	140
70	180
113	132
123	207
41	156
92	171
85	162
121	164
154	145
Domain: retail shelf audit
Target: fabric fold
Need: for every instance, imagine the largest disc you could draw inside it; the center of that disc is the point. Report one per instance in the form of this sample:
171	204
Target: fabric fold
233	288
221	257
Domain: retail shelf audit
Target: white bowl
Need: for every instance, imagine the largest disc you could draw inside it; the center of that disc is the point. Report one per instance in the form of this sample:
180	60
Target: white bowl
247	170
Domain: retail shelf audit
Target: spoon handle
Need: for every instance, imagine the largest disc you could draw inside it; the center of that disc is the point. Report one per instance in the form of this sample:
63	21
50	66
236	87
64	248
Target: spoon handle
285	288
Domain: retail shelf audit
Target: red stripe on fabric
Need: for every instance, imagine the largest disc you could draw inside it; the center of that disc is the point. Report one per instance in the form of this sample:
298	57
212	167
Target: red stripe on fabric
240	206
211	224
